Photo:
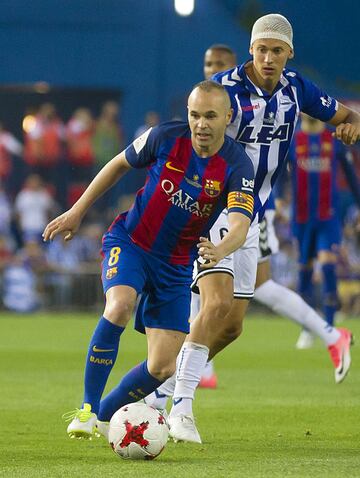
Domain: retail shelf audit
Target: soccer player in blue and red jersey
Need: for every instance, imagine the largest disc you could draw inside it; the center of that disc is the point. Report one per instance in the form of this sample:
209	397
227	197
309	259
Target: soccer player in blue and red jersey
266	98
314	156
194	171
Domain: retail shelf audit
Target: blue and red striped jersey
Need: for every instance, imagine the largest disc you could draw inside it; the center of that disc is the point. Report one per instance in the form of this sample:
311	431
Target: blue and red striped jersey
313	159
183	194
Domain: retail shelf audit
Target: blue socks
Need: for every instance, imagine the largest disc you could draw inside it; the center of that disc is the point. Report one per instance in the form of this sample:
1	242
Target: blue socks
306	285
101	357
134	386
330	297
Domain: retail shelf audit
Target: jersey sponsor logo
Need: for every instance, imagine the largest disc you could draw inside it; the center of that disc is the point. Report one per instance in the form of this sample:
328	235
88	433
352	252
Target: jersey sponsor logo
95	349
101	361
251	107
140	142
314	165
183	200
110	273
168	165
212	188
194	181
266	134
248	184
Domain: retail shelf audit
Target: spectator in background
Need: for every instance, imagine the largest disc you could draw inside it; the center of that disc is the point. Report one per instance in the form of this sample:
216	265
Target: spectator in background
108	138
5	213
33	207
67	262
80	153
152	119
108	141
9	147
44	148
22	279
5	252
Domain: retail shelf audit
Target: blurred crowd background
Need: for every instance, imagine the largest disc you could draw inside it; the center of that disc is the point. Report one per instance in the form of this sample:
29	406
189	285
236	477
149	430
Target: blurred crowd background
81	79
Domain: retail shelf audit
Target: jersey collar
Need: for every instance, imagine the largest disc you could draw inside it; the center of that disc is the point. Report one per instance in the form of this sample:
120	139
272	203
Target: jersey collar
283	82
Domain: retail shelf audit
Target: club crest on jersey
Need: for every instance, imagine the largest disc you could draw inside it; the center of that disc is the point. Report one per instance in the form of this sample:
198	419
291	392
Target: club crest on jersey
110	273
212	188
270	119
326	147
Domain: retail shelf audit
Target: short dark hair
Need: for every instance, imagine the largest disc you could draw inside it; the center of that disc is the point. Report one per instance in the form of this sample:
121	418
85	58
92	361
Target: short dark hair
222	47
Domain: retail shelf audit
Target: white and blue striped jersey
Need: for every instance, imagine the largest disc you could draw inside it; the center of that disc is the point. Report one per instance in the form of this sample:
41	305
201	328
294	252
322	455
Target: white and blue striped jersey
264	123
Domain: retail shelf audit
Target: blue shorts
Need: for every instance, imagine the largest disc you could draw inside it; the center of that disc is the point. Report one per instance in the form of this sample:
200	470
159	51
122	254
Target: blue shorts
316	237
164	288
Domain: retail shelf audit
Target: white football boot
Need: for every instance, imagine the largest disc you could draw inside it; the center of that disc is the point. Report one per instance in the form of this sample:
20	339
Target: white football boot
83	422
182	428
102	429
305	341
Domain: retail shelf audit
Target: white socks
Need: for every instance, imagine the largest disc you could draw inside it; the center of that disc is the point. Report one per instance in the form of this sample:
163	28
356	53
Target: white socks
208	370
191	362
285	302
158	399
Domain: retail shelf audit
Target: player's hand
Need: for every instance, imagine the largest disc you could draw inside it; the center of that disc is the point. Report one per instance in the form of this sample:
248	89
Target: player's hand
348	133
208	254
68	223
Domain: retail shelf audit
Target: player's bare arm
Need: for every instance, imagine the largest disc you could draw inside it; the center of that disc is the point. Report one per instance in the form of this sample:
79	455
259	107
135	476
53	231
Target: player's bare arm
347	124
69	221
238	228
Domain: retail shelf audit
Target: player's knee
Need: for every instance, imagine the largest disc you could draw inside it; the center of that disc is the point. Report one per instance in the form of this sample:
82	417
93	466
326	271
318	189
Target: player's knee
231	332
119	310
161	371
216	307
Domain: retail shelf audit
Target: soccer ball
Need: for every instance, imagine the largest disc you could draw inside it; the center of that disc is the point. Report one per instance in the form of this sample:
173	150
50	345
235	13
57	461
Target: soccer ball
138	432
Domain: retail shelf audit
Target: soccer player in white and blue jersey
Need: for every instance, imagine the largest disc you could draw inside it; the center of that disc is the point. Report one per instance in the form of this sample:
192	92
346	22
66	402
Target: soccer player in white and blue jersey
267	99
281	300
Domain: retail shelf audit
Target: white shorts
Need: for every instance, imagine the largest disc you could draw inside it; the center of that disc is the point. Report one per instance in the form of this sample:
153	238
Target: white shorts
241	264
268	242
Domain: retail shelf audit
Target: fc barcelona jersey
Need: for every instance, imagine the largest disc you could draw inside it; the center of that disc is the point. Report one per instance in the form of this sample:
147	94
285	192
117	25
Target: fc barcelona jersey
314	159
183	194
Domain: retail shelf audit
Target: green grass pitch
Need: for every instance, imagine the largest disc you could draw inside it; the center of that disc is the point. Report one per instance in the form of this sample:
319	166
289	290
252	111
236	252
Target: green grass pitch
276	413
